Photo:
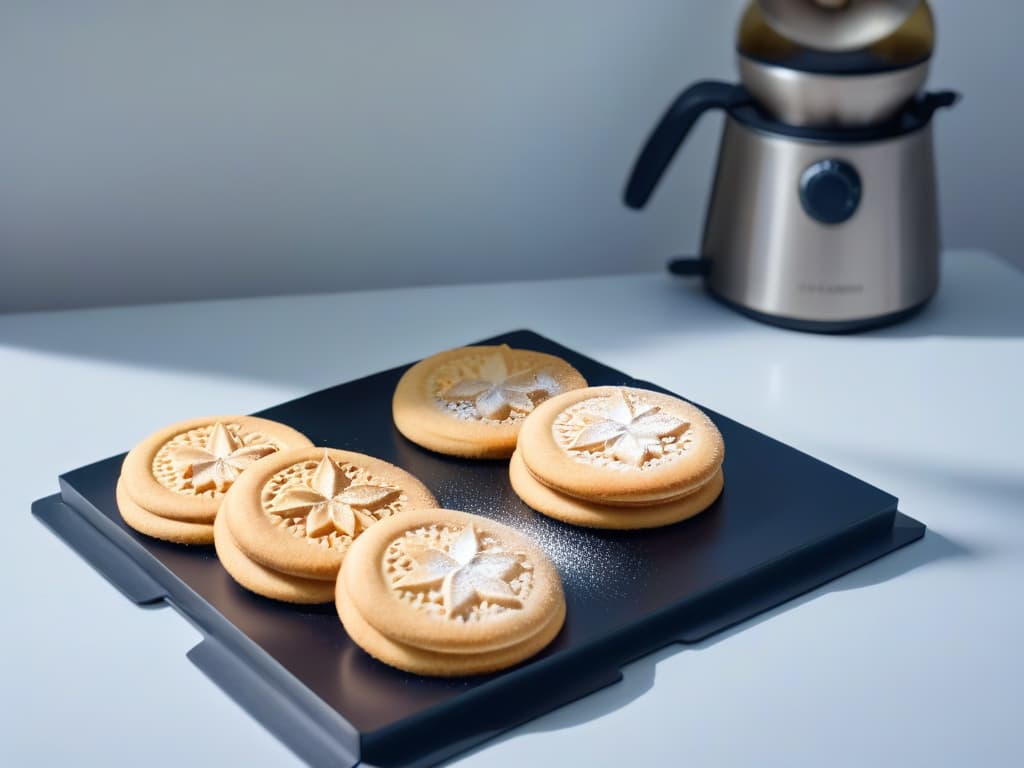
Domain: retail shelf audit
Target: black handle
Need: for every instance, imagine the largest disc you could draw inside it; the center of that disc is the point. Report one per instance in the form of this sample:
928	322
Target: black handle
671	131
924	106
689	265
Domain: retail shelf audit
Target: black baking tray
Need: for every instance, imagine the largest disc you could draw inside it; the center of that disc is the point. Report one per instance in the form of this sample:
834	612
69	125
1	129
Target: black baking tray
785	524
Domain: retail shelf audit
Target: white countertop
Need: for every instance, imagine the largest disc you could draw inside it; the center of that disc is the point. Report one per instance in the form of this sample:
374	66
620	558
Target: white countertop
913	660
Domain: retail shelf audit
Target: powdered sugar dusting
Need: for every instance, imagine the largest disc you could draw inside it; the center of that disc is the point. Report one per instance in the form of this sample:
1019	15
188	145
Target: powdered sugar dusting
592	561
622	431
493	387
466	410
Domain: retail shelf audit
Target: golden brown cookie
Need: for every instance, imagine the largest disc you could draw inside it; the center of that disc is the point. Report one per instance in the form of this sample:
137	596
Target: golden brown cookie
620	446
262	580
441	592
298	511
432	663
182	471
591	514
471	401
158	527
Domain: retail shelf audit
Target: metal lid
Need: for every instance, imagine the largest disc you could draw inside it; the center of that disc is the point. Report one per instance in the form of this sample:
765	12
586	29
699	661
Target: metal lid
836	25
908	46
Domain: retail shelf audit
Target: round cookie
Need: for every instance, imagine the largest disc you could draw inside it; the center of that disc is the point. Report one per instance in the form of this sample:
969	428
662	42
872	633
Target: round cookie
452	583
262	580
423	662
620	445
471	401
158	527
182	472
298	511
590	514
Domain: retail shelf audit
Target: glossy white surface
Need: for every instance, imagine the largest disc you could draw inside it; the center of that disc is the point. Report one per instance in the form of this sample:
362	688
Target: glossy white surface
913	660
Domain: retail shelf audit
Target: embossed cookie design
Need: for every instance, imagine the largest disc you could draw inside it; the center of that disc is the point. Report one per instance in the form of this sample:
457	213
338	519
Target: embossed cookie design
621	428
173	482
471	401
618	457
468	578
285	526
445	593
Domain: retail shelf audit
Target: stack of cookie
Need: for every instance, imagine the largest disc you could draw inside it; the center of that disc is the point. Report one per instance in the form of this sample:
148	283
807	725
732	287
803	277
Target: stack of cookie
428	590
445	593
618	457
286	525
173	482
471	401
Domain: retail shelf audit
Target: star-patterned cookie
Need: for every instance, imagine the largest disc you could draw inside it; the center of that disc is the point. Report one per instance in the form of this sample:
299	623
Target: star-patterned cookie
592	514
618	457
173	482
471	401
440	592
291	519
496	393
465	574
628	431
331	501
218	461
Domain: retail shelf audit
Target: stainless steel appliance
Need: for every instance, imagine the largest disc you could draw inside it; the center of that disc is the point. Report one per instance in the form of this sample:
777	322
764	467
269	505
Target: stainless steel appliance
823	215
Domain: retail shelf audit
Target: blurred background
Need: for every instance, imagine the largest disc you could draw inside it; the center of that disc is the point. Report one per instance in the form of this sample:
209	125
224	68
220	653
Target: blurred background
164	151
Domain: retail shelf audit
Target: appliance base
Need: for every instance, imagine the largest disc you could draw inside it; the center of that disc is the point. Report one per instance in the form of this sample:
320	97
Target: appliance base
835	327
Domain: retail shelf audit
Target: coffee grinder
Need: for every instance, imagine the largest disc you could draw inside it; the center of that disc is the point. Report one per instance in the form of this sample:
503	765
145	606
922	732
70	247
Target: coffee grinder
823	215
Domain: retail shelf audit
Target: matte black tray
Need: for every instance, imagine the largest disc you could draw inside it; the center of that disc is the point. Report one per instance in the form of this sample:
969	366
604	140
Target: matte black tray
785	523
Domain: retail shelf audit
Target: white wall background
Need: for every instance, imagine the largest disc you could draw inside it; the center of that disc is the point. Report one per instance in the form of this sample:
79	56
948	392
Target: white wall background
159	150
